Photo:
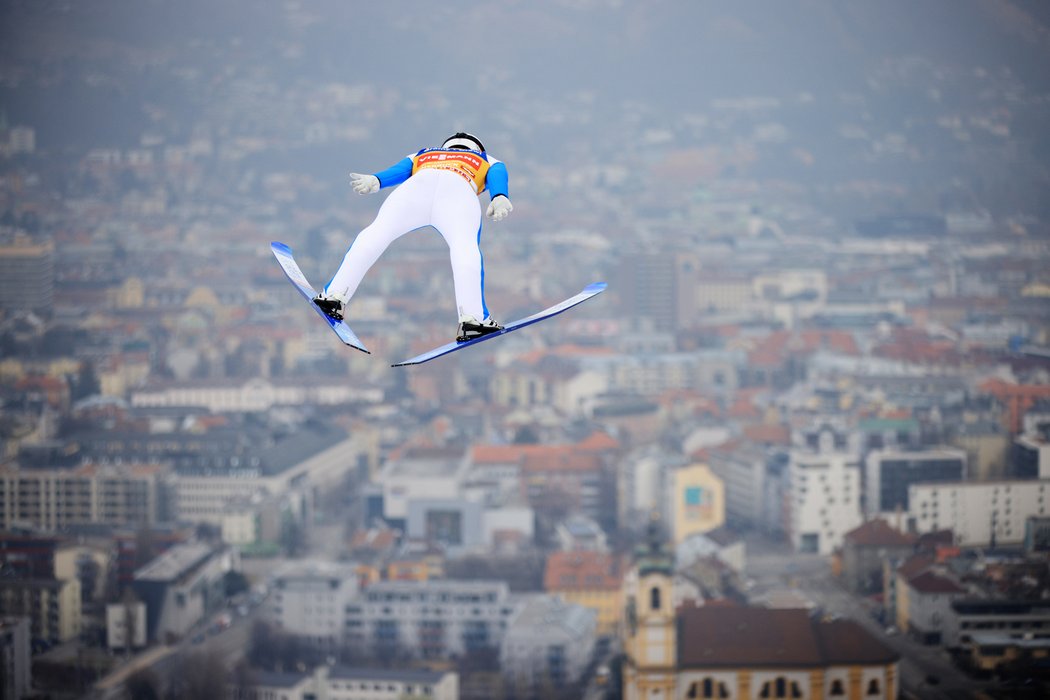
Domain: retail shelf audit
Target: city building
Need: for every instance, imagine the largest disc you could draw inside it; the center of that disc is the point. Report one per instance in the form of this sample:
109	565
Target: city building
27	276
16	671
53	499
417	474
349	683
648	284
549	642
28	554
254	395
740	652
308	601
889	472
1013	619
462	526
979	513
696	501
91	563
742	469
580	534
1030	457
768	653
52	606
997	654
722	544
924	603
591	579
430	619
865	548
650	631
824	482
126	625
182	586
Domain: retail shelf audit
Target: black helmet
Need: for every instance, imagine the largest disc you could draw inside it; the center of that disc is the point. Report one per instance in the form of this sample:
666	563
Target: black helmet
462	139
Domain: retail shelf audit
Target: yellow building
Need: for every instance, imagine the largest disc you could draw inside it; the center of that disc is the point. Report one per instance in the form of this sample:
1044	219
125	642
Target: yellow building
649	636
52	606
591	579
698	502
740	652
88	563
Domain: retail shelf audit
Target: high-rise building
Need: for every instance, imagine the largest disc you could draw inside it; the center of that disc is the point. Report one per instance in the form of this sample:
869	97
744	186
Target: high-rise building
648	288
823	490
27	277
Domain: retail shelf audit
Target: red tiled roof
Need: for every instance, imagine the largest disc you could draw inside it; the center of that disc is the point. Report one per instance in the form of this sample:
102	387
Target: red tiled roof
748	637
598	441
583	571
768	433
878	533
564	460
932	582
915	565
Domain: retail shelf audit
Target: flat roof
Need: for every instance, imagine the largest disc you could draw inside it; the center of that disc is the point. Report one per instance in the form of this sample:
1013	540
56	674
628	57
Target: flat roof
174	563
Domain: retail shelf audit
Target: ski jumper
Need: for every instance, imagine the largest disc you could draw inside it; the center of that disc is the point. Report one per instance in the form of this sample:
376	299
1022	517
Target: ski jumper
439	188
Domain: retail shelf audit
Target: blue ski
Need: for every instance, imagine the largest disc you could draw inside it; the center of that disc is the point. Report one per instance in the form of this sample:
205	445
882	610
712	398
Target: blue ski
291	269
589	291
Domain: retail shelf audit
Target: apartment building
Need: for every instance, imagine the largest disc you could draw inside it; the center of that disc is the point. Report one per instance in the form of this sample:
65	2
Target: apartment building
979	513
350	683
27	275
253	395
590	579
824	482
430	619
549	641
889	472
52	499
52	606
308	601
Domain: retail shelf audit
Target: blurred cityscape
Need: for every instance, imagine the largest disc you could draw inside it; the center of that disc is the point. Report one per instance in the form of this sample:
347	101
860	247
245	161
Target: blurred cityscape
798	449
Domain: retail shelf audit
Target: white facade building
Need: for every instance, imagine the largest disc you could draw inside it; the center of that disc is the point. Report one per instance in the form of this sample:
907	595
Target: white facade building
978	512
419	477
309	601
254	395
126	625
430	619
549	641
207	497
824	492
743	471
182	586
346	683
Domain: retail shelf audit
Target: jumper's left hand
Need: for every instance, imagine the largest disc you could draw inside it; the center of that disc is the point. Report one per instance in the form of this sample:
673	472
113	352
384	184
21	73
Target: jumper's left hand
499	207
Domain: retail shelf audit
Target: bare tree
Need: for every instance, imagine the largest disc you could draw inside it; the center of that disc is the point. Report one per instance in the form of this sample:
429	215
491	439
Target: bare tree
142	685
201	676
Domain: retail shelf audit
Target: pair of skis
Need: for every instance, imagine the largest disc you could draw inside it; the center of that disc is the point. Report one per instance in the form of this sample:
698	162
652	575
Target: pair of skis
291	269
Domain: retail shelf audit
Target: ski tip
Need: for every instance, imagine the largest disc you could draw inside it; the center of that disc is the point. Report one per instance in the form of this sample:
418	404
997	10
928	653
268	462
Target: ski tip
278	246
595	287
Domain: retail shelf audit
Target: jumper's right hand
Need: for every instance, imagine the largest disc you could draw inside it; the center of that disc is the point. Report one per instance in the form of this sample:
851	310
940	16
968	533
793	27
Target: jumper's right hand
364	184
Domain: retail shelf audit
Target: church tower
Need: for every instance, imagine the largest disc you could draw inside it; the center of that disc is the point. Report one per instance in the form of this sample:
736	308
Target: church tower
649	635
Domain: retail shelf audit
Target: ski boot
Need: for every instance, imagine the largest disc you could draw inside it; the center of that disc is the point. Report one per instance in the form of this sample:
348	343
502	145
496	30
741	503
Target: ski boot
331	304
471	328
